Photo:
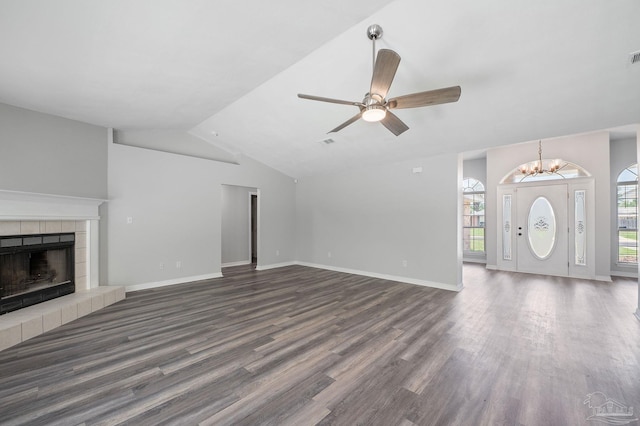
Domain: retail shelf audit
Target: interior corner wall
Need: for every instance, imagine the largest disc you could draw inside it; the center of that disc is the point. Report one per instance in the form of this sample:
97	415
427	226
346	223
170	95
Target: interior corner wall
371	220
174	205
236	228
476	168
623	155
46	154
590	151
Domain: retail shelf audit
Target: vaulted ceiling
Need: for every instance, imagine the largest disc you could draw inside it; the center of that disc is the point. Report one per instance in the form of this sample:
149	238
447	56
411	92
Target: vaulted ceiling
222	74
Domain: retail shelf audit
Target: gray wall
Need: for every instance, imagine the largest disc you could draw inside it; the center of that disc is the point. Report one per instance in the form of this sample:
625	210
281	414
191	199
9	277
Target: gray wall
623	154
590	151
173	141
52	155
373	219
236	228
175	205
476	168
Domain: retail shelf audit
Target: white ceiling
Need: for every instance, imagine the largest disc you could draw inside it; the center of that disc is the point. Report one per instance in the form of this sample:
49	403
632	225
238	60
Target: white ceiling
228	72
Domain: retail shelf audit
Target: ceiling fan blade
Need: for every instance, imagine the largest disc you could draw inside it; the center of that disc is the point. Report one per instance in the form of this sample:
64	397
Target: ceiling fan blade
346	123
333	101
383	72
394	124
431	97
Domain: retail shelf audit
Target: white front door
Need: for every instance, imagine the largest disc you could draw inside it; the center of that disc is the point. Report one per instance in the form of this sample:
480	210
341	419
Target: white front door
542	230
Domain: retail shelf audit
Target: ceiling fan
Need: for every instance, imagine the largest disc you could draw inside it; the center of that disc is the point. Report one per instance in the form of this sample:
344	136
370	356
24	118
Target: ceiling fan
375	106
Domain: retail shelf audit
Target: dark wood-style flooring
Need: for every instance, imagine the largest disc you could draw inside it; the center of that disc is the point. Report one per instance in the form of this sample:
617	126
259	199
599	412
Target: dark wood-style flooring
304	346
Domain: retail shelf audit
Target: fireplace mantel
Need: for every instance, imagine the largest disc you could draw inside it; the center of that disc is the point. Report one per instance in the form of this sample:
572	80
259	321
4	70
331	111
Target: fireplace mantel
16	205
33	213
23	210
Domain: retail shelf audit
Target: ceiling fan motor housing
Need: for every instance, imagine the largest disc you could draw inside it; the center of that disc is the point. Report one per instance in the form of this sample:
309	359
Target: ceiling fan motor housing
374	32
373	99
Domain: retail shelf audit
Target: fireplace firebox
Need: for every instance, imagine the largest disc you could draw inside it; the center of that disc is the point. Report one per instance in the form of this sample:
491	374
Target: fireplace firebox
35	268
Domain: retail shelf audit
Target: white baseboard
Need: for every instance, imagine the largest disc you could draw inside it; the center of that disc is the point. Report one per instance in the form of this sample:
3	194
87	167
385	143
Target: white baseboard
625	274
474	260
184	280
239	263
274	266
407	280
606	278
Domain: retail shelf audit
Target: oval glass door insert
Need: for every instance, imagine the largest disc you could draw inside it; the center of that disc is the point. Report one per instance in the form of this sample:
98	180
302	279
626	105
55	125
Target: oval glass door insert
541	231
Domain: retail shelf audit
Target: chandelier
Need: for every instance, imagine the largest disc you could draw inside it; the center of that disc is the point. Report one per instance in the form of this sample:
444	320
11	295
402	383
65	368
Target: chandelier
541	167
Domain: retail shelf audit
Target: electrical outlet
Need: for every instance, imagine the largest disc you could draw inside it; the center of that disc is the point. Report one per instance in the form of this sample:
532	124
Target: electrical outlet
329	254
129	220
404	263
178	264
161	265
277	252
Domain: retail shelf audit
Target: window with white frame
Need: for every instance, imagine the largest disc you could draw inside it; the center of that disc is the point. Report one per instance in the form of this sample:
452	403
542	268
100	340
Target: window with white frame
473	216
627	215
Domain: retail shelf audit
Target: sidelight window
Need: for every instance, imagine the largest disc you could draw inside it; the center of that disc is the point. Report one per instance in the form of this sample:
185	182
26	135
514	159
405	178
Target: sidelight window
473	216
627	215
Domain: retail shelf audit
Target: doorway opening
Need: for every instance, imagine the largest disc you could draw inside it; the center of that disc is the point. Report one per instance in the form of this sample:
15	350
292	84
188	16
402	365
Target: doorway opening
240	233
253	224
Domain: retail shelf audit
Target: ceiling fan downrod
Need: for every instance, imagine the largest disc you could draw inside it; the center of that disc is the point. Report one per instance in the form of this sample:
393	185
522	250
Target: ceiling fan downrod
374	32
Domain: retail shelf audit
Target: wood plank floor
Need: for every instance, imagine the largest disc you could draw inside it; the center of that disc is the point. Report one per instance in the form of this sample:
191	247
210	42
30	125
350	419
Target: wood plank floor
303	346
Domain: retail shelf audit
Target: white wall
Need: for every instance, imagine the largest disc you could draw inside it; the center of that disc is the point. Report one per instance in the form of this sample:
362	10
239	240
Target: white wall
51	155
175	205
236	226
623	154
590	151
370	220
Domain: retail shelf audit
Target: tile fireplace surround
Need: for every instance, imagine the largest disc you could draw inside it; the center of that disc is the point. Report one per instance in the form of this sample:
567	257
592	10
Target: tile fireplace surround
24	213
55	227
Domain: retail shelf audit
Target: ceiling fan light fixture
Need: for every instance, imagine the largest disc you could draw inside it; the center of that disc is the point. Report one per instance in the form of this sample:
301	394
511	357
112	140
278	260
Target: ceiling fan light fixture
373	113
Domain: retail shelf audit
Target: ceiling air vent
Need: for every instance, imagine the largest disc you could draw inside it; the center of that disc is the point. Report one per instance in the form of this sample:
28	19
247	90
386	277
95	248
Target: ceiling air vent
634	58
328	141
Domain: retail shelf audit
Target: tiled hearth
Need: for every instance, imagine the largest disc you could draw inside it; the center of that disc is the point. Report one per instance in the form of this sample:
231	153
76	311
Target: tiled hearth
29	213
18	326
